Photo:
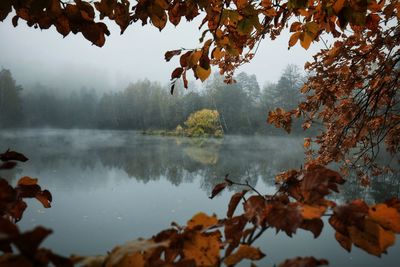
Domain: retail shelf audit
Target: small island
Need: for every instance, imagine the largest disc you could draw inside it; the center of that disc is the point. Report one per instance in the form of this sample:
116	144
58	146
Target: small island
202	123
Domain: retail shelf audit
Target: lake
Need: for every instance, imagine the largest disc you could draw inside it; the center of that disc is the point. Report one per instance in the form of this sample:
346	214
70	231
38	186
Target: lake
109	187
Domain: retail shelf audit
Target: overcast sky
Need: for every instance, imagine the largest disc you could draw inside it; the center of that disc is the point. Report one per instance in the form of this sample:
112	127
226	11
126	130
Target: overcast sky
45	56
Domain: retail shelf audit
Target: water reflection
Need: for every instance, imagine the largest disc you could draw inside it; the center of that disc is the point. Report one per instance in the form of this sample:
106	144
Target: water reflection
113	186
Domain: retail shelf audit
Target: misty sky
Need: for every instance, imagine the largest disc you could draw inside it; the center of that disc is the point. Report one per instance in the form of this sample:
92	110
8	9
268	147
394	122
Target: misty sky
34	56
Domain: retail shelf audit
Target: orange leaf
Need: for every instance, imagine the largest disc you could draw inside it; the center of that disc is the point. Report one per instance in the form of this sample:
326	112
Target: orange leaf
202	73
203	248
27	181
338	6
312	212
373	238
305	40
387	217
294	38
202	221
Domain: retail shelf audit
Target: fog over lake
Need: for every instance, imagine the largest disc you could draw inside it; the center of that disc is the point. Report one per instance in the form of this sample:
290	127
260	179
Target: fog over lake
112	186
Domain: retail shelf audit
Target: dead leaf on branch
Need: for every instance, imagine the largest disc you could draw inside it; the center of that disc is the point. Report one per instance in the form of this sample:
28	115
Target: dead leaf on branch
244	252
304	262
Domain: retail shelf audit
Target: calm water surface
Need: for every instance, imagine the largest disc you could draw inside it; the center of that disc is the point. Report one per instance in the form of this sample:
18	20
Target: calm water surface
113	186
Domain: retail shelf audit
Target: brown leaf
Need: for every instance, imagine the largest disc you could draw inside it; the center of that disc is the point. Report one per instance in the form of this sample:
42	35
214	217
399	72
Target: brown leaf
235	199
233	229
350	214
203	248
315	226
45	198
344	241
28	242
244	252
303	262
12	155
8	165
256	209
372	237
217	189
5	8
169	54
284	217
176	73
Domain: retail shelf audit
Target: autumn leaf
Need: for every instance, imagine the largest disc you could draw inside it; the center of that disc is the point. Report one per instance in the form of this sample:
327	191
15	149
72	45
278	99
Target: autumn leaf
203	248
176	73
303	262
294	38
217	189
169	54
235	199
12	155
201	221
27	181
344	241
315	226
244	252
312	212
372	238
202	73
387	217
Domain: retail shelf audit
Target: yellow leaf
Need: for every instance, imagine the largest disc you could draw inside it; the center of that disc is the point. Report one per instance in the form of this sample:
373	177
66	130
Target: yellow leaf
203	248
202	219
387	217
244	252
305	40
202	73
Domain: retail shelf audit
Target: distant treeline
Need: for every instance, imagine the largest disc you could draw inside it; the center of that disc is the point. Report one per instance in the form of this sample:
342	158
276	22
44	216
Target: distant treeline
144	105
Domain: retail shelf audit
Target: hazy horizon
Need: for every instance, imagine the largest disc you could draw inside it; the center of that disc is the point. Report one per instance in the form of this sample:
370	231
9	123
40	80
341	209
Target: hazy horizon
45	57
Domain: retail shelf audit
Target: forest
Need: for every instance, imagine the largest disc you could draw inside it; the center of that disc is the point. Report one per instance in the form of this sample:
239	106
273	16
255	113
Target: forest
147	105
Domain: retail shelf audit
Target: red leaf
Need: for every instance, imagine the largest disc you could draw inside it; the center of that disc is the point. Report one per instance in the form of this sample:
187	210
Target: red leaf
217	189
170	54
235	199
176	73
